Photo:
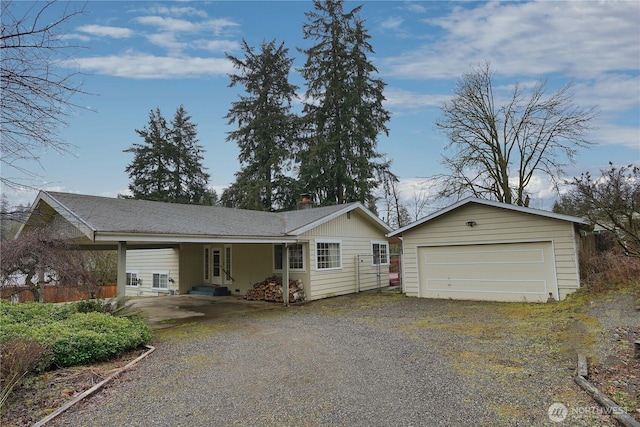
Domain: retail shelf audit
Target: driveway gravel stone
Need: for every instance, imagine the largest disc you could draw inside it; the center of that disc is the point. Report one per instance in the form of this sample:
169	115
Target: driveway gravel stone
362	360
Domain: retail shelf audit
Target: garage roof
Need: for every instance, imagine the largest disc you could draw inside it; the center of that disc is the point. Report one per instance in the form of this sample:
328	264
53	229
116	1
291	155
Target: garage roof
495	204
110	219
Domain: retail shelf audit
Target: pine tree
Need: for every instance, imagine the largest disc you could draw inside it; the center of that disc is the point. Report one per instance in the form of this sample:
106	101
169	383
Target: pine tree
167	167
189	177
344	108
149	172
266	133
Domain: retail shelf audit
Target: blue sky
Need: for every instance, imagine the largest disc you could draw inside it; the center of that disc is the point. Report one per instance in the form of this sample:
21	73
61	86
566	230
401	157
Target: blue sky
140	55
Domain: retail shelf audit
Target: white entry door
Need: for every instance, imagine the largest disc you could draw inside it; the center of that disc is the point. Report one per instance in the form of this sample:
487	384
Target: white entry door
216	265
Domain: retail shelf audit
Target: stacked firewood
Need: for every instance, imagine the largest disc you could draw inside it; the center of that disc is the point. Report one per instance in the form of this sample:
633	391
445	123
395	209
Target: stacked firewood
270	289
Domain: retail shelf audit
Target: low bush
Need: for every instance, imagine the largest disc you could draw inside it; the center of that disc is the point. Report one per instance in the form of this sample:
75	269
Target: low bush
609	270
70	337
18	357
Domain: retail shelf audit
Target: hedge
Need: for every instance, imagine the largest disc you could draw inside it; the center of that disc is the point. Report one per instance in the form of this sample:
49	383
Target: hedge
69	337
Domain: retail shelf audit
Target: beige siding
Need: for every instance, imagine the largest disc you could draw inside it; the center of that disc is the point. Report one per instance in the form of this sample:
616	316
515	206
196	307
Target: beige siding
145	262
251	263
191	266
493	225
355	234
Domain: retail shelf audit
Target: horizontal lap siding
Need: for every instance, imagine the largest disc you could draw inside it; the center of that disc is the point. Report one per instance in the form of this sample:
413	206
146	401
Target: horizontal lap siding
146	261
356	235
492	225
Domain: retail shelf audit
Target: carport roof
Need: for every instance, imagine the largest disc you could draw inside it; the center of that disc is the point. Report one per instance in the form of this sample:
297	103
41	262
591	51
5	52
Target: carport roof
111	219
489	203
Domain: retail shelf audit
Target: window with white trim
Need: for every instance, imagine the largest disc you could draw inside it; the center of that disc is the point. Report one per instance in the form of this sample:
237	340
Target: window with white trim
380	251
160	279
328	254
132	278
296	257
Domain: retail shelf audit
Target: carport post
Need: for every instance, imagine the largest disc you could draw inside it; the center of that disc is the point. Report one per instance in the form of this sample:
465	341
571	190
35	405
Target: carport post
122	268
285	275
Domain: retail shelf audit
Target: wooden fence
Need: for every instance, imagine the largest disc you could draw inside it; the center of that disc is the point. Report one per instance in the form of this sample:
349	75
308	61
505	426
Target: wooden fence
58	293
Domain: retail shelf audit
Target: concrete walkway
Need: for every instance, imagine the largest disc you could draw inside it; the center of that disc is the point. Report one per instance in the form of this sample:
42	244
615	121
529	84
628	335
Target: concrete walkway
167	311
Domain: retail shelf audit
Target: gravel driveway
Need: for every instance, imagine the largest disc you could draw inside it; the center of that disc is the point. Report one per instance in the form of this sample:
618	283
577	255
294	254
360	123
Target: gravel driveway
362	360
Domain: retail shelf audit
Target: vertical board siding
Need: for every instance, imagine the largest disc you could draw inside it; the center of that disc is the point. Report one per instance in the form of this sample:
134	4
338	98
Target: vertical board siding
146	261
356	234
492	225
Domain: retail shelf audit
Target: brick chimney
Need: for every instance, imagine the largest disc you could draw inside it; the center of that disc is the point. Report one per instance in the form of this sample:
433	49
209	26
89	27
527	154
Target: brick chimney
305	202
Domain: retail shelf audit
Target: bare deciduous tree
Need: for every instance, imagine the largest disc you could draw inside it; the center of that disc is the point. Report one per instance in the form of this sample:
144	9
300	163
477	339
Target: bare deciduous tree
497	149
611	201
36	83
38	257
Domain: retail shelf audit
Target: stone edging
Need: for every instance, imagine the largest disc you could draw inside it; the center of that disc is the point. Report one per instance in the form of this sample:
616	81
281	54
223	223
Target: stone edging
95	388
612	408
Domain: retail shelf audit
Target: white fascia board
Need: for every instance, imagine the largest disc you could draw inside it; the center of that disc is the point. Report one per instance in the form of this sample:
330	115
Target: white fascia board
44	197
348	208
500	205
147	238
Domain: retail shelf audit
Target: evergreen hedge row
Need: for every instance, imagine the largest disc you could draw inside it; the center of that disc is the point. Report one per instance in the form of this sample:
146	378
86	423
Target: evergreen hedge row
68	336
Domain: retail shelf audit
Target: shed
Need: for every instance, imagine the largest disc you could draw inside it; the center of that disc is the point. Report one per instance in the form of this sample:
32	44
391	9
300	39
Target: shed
485	250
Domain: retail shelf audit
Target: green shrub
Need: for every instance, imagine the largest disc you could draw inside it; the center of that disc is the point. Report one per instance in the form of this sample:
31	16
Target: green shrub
89	337
69	337
34	312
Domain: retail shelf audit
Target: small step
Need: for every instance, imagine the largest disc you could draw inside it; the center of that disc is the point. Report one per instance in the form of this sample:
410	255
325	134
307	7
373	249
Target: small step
210	291
197	292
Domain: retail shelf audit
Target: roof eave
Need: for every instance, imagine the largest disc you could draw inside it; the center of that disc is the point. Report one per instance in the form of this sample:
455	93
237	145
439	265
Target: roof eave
492	203
85	228
327	218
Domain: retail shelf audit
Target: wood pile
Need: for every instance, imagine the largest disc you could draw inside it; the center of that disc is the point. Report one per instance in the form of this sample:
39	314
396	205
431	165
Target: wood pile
270	289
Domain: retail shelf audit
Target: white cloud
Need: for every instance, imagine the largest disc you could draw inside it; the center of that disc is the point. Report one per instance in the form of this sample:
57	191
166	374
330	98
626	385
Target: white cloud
612	134
167	41
403	99
576	38
177	11
217	26
217	45
392	23
106	31
146	66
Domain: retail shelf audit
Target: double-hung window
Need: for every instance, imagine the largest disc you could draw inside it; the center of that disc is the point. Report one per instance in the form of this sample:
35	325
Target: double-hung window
380	251
132	278
328	254
160	279
296	257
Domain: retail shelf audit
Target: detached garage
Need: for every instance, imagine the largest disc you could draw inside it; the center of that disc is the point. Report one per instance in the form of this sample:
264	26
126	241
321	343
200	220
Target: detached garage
484	250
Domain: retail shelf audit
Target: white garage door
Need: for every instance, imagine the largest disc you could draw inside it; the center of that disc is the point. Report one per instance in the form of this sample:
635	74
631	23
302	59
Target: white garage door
495	272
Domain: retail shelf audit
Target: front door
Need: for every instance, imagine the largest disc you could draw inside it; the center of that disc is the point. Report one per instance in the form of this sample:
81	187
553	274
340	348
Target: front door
216	267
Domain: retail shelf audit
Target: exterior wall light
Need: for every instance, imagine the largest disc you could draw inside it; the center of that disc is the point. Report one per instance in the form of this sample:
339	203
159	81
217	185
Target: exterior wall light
470	223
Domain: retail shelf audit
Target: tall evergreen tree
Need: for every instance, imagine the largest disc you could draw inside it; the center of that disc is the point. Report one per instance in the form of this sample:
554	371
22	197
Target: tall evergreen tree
167	166
344	108
266	133
149	171
189	177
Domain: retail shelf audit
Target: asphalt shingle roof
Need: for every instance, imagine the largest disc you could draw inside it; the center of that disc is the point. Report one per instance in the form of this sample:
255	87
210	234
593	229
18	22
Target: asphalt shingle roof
104	214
